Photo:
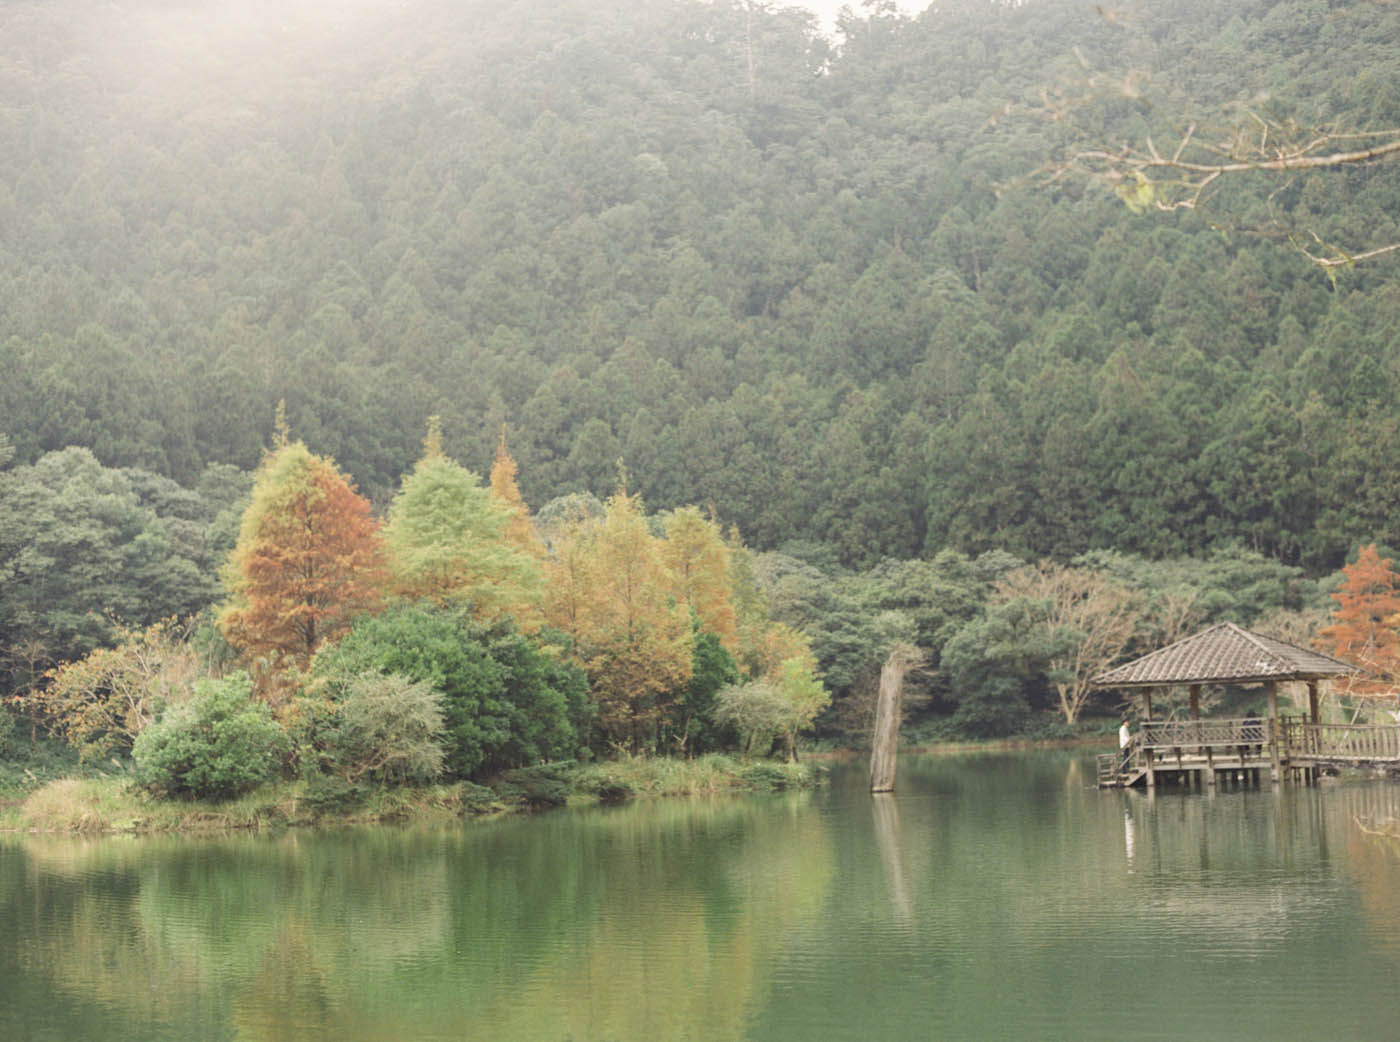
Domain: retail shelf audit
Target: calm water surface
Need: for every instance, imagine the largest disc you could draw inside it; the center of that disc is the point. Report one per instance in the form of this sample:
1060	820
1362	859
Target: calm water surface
993	897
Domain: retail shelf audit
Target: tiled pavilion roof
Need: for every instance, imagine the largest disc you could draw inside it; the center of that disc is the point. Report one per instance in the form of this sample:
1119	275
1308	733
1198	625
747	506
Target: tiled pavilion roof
1224	653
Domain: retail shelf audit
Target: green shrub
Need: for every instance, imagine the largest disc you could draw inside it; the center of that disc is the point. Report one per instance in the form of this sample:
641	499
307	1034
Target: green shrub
608	788
544	785
331	794
219	745
384	727
478	799
505	702
765	777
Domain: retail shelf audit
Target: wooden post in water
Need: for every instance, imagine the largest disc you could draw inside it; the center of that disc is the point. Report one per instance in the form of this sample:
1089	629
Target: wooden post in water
1147	753
1314	718
888	710
1274	766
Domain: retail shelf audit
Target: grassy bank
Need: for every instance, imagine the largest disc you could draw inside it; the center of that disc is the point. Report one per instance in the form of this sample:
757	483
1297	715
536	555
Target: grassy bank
115	804
706	776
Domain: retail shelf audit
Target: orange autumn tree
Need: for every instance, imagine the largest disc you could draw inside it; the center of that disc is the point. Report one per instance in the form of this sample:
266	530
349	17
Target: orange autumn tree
1363	629
611	591
307	563
520	529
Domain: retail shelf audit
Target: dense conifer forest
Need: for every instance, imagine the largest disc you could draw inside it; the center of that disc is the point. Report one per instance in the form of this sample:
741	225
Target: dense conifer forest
829	289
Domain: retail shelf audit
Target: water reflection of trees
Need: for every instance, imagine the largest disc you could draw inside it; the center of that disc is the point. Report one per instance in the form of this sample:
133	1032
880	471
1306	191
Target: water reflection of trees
640	922
767	918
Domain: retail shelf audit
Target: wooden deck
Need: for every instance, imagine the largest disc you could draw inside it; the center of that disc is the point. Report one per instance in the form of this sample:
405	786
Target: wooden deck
1202	752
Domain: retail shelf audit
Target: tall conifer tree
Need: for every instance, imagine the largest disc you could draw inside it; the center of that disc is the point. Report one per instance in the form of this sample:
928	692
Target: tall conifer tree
307	563
520	529
448	543
699	561
1364	622
614	596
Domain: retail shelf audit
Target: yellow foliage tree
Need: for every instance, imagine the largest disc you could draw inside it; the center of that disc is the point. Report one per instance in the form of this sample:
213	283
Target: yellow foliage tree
520	529
611	591
698	559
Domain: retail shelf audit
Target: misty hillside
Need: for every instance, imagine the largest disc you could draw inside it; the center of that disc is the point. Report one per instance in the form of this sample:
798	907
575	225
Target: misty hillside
812	283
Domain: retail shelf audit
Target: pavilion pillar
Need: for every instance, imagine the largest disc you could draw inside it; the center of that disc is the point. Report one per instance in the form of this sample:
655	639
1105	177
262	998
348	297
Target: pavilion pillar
1314	718
1195	693
1147	749
1275	767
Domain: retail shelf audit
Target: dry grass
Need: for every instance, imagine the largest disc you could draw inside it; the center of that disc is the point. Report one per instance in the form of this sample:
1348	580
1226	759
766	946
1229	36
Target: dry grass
82	805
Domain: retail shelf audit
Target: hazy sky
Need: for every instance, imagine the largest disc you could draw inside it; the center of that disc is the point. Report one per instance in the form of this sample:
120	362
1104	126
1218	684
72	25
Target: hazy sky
826	9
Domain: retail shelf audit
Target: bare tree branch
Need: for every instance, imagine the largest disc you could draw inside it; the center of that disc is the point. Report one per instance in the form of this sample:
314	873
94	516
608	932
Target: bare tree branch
1206	154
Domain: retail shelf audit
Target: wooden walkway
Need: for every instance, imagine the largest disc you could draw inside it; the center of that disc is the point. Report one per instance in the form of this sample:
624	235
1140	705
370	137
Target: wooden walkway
1200	752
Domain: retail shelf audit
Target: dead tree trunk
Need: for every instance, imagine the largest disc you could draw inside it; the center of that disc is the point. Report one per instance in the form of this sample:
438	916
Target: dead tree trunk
888	711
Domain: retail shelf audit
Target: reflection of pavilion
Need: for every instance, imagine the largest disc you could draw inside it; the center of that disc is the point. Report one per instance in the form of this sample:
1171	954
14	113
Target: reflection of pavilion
1197	750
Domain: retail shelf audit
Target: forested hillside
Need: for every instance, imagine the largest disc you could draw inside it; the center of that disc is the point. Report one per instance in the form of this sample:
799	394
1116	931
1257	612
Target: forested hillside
807	282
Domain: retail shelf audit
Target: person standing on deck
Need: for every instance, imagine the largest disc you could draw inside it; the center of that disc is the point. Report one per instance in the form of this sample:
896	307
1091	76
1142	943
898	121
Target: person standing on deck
1125	745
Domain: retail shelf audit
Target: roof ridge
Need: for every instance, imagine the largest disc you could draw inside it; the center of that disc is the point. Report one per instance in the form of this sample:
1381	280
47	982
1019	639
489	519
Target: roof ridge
1224	652
1253	638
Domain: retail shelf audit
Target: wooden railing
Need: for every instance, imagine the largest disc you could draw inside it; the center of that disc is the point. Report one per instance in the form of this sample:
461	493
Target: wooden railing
1108	769
1199	734
1161	743
1361	742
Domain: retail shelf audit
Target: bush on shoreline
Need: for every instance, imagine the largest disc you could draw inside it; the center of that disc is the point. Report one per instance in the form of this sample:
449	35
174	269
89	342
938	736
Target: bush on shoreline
118	804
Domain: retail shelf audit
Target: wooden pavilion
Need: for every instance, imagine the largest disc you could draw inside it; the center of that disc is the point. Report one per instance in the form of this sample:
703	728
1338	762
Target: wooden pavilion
1197	750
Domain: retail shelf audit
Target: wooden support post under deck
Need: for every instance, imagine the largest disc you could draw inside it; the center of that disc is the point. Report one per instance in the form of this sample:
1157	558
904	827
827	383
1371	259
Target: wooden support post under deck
1147	753
1314	717
1195	693
1274	764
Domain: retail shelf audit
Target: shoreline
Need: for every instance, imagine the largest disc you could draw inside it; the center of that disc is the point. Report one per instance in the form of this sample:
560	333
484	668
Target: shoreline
112	805
991	745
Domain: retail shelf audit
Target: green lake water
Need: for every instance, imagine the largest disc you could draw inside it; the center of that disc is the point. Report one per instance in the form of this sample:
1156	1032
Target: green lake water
994	896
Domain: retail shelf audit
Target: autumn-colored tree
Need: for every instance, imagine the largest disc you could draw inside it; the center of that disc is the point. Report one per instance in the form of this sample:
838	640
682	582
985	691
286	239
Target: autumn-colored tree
1363	629
1086	621
784	692
520	529
613	595
698	559
447	541
101	702
308	562
567	570
780	643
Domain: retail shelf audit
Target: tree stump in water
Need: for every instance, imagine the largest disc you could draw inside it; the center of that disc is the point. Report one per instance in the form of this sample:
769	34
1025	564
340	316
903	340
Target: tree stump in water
888	710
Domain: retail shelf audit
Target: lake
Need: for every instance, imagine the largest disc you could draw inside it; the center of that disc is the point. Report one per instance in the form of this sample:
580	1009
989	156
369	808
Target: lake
995	896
